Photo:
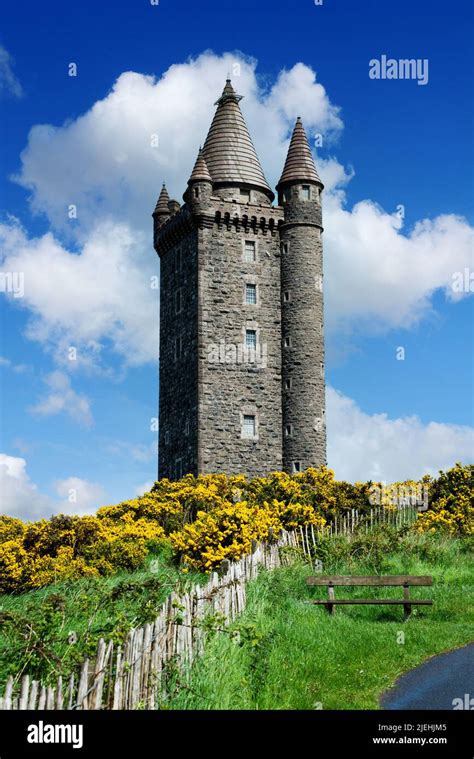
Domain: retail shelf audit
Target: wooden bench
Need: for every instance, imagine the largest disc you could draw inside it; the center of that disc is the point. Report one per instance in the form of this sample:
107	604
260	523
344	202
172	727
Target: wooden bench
405	581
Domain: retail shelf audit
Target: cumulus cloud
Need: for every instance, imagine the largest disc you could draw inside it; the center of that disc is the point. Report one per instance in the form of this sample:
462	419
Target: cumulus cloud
61	398
8	81
99	298
20	497
97	292
374	447
79	496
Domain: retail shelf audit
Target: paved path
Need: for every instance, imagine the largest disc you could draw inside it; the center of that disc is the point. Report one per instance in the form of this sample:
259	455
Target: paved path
434	684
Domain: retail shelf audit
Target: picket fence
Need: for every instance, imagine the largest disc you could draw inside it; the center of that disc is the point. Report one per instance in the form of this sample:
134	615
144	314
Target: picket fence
135	675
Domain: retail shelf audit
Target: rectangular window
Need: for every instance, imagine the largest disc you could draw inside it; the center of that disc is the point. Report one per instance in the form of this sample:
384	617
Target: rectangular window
251	294
178	347
178	302
245	195
287	342
249	426
249	251
186	427
251	339
296	466
286	296
288	384
289	430
196	192
306	192
167	438
284	247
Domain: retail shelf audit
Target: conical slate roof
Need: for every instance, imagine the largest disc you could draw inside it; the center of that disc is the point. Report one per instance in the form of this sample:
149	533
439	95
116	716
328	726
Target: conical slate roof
200	172
299	164
228	149
162	203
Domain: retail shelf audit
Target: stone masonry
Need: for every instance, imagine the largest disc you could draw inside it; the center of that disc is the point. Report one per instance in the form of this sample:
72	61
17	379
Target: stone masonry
241	310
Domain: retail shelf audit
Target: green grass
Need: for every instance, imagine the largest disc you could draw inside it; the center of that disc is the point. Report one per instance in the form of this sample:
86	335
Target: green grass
50	631
293	655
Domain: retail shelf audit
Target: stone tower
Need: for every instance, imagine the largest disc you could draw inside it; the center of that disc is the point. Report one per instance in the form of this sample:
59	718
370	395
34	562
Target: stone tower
241	310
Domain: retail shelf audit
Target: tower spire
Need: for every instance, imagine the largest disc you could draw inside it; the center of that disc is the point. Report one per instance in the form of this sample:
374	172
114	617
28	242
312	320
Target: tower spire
200	171
162	210
299	164
228	149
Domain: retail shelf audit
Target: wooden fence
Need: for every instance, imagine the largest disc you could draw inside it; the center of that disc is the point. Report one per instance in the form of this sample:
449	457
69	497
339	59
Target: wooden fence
135	675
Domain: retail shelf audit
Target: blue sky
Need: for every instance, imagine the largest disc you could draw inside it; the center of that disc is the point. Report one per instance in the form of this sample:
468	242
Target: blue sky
86	425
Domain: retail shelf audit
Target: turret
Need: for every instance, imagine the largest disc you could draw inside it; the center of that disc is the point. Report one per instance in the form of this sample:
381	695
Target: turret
303	388
199	191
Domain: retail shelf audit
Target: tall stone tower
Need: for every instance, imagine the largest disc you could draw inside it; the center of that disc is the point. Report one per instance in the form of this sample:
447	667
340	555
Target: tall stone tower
241	310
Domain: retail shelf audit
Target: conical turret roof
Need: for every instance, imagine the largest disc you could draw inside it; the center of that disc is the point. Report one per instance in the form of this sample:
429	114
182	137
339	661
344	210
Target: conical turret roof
162	202
299	164
200	172
228	149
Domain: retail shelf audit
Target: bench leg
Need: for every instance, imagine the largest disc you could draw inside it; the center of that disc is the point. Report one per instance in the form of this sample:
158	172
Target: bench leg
331	597
406	606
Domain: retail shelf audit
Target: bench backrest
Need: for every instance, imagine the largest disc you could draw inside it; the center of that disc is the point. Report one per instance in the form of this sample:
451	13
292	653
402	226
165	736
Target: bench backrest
370	580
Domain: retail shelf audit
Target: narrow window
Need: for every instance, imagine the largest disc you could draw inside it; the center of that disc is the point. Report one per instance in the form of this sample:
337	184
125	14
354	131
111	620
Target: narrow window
196	192
167	438
248	426
296	466
286	196
284	247
287	342
289	430
306	192
251	294
251	339
186	427
178	301
249	251
288	384
178	347
286	296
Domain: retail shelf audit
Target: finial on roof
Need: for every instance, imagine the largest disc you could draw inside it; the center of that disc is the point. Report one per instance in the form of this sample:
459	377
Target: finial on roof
228	93
299	164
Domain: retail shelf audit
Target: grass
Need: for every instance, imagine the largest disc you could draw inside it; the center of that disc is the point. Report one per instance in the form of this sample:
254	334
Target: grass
50	631
293	655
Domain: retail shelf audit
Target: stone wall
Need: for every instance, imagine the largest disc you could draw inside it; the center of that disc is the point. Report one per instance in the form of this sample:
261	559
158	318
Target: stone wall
233	381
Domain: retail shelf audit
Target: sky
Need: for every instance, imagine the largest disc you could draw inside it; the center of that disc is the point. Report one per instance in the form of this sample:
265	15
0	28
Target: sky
103	102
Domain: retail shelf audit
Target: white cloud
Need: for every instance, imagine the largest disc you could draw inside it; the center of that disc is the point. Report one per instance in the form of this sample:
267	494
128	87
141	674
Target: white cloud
79	496
8	81
377	277
145	488
90	301
374	447
17	368
62	398
20	497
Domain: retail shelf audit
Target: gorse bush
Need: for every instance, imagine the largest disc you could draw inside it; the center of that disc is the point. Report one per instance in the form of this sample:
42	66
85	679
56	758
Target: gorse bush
204	520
